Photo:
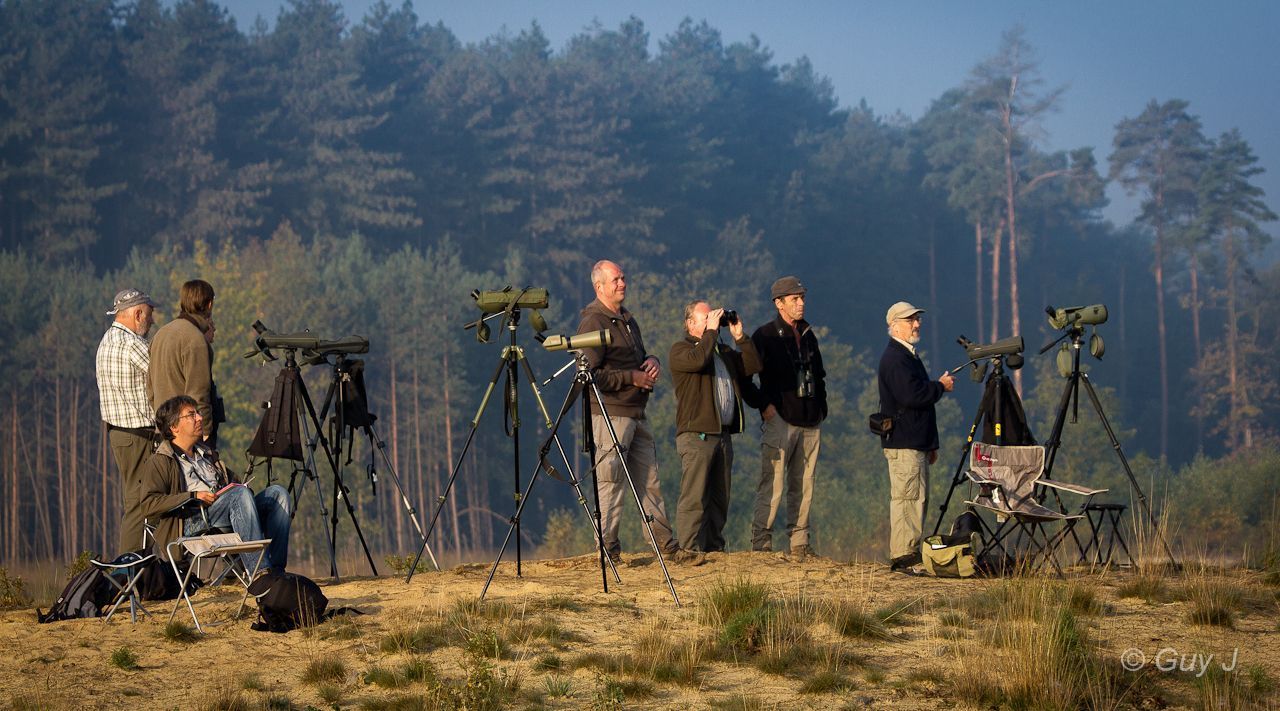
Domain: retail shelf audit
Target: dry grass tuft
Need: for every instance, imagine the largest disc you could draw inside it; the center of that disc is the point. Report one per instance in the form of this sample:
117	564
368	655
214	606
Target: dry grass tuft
326	670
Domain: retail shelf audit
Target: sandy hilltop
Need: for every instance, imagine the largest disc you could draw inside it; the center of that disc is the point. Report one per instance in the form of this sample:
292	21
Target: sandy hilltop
821	634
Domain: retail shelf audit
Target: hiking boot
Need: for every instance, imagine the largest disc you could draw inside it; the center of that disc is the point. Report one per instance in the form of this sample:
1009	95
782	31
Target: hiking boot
762	548
615	554
690	557
904	563
800	554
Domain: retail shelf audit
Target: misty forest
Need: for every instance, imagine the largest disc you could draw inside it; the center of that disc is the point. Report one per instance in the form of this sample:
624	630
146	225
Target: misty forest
364	175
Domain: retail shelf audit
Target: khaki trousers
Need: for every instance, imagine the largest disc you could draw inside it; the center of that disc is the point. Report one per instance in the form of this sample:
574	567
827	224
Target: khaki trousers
642	461
908	498
788	458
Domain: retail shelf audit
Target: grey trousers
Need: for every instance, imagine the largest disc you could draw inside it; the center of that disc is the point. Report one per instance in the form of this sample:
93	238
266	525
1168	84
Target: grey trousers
131	451
788	457
706	462
642	461
908	498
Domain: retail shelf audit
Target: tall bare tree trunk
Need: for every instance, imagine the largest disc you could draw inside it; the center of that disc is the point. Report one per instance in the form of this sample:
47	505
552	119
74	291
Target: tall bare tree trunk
1158	270
1240	427
933	285
1194	269
977	276
74	530
59	447
395	450
14	532
1011	213
996	252
448	454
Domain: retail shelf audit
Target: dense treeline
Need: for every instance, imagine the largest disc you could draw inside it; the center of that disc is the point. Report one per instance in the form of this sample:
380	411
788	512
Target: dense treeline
363	178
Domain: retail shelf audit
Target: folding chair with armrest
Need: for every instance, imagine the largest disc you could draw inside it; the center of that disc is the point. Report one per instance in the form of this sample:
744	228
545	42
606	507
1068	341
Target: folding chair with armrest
219	547
1008	477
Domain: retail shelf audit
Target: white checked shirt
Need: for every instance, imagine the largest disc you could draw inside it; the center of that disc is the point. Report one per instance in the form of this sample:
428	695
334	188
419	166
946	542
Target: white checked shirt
123	359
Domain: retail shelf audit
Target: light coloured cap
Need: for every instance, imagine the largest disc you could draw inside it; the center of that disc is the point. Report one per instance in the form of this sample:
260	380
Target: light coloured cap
128	299
902	309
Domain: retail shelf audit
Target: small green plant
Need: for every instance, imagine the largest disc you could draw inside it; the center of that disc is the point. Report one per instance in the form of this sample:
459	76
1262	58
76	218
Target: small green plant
178	631
419	671
252	682
827	682
277	702
79	564
124	658
900	611
487	643
227	700
561	602
1147	586
557	686
1083	600
400	564
725	600
329	693
1213	602
417	639
13	591
851	620
738	702
324	670
384	677
548	662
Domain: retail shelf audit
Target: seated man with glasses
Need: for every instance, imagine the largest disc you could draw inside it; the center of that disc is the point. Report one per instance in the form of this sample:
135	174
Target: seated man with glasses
184	470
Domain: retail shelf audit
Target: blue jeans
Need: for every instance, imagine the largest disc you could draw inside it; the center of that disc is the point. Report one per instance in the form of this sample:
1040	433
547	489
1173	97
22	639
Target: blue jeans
253	517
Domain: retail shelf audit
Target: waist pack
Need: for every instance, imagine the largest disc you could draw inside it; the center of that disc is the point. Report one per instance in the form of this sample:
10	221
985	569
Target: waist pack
880	424
949	556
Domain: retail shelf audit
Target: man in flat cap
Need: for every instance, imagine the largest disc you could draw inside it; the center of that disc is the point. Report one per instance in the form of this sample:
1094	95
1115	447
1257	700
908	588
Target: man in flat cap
908	396
792	399
122	363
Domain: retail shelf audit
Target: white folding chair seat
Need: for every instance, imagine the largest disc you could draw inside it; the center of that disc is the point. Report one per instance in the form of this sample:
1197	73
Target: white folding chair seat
224	548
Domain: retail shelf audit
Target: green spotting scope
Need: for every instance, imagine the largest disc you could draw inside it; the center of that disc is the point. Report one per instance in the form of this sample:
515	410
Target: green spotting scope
1076	316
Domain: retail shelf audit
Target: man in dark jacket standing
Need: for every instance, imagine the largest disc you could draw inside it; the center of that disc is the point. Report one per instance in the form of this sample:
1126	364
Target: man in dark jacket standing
625	374
709	411
792	400
908	396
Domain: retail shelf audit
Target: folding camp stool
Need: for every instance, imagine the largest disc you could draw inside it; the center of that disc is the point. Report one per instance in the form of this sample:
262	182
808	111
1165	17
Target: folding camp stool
1104	523
221	547
127	590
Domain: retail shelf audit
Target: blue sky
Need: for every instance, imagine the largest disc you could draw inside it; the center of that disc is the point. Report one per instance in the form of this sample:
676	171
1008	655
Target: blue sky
899	55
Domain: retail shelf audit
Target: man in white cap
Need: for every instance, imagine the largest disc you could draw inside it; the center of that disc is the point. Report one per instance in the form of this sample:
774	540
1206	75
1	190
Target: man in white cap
908	396
122	363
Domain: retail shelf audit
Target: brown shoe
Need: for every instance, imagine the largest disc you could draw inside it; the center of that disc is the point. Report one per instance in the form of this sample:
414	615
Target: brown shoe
690	558
800	554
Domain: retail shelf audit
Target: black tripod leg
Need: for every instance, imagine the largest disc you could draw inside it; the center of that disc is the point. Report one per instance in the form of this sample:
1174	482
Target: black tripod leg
1133	480
457	467
958	475
376	441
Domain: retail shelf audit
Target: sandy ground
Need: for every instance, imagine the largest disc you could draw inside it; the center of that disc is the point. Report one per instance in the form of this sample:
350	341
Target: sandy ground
67	664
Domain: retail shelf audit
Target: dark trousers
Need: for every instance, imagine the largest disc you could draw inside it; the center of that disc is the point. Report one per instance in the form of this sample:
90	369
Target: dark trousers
131	450
707	464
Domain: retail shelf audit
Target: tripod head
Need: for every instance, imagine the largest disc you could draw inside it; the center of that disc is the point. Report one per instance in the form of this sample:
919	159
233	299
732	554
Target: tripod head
1072	320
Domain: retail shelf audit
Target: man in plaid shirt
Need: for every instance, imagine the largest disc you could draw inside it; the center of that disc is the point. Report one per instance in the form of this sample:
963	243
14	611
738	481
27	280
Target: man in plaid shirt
122	363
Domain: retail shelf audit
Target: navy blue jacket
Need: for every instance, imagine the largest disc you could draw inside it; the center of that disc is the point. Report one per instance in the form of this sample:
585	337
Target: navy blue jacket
907	395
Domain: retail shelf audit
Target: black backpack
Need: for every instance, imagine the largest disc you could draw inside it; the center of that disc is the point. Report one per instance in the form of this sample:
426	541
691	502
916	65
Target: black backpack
287	601
84	596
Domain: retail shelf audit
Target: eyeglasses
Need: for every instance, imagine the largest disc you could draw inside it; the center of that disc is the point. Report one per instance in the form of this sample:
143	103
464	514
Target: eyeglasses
194	415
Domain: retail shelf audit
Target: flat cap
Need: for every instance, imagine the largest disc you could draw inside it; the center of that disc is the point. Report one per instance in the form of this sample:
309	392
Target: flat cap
786	286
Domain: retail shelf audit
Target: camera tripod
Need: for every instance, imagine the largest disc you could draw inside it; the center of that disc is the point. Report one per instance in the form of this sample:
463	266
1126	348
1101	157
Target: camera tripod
997	394
278	437
583	388
511	354
1071	399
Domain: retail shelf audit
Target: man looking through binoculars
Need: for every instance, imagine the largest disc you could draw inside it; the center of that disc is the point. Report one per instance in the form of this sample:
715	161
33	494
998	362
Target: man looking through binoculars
709	411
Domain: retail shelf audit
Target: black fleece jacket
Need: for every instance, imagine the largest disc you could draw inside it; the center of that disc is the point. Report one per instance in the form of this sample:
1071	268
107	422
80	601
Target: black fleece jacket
783	359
